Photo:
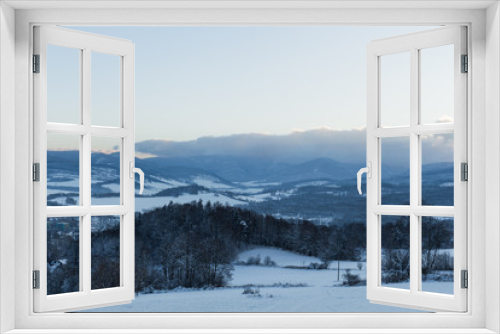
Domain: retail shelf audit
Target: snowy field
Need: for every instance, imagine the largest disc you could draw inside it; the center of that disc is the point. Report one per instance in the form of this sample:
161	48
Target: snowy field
285	258
149	203
276	289
240	193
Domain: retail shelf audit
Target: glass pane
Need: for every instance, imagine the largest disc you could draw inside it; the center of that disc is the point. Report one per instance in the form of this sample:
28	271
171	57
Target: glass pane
437	169
105	252
395	89
63	255
106	76
106	171
63	169
437	254
395	170
63	84
395	252
436	85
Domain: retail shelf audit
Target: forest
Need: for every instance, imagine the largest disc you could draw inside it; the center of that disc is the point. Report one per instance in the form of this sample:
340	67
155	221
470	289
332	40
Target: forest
195	245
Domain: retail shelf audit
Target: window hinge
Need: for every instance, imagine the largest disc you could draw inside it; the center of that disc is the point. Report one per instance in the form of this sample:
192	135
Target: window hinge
36	172
465	279
465	64
36	63
464	171
36	279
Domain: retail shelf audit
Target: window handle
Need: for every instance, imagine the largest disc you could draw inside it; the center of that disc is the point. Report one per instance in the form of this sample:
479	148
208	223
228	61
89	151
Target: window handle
368	171
141	175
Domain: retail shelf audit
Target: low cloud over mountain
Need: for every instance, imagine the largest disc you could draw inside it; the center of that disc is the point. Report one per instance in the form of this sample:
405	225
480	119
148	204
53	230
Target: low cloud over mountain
347	146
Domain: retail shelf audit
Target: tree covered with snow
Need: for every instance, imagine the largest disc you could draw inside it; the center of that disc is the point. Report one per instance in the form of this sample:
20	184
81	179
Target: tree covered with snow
194	244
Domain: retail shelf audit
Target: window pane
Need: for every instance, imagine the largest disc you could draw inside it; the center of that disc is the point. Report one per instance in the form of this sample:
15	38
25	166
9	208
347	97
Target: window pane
63	255
105	252
437	169
437	254
63	169
437	84
395	172
106	76
63	84
395	89
395	252
106	170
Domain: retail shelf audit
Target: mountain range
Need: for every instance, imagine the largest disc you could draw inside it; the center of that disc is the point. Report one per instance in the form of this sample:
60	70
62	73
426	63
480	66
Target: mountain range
321	189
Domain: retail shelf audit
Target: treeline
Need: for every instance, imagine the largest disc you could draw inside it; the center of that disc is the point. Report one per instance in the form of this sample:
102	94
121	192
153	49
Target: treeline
63	254
194	244
437	240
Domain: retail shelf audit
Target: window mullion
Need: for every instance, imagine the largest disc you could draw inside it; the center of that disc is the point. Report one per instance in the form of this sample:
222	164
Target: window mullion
414	171
85	267
432	129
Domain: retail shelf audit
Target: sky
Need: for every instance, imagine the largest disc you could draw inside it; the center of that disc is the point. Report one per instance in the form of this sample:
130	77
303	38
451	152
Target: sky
274	83
194	82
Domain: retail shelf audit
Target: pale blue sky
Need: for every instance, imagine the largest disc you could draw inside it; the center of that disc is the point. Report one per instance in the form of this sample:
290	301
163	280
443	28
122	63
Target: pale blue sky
215	81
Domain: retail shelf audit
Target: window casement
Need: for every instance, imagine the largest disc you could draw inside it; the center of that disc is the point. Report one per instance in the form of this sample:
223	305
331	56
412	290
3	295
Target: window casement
74	287
414	46
481	301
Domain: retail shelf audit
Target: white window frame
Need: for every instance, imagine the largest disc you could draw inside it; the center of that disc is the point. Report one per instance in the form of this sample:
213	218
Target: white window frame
86	44
484	147
376	133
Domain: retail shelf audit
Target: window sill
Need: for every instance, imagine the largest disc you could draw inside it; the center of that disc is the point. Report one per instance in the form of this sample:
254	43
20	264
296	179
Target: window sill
252	331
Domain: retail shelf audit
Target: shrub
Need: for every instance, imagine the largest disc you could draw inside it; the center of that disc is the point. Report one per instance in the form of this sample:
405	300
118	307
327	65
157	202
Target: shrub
313	265
248	290
395	265
394	276
253	261
268	262
350	279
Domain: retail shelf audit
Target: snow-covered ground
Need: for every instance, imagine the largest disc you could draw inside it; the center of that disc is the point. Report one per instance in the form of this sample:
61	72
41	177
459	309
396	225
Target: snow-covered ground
259	184
260	275
285	258
74	183
210	182
242	193
277	289
270	299
148	203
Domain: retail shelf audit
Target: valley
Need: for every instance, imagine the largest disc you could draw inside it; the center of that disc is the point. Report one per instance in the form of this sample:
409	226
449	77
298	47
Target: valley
321	190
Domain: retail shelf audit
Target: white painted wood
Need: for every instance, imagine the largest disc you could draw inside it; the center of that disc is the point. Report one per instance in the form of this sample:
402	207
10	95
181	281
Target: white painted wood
246	4
257	331
84	129
404	131
492	186
414	169
373	184
406	210
7	167
430	129
415	298
471	322
86	298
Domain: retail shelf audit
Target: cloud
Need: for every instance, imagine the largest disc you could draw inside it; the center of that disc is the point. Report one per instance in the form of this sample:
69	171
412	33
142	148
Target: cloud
348	146
445	119
296	147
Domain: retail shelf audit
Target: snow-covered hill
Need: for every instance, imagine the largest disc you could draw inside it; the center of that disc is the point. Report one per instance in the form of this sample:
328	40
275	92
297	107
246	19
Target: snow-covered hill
308	190
275	289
